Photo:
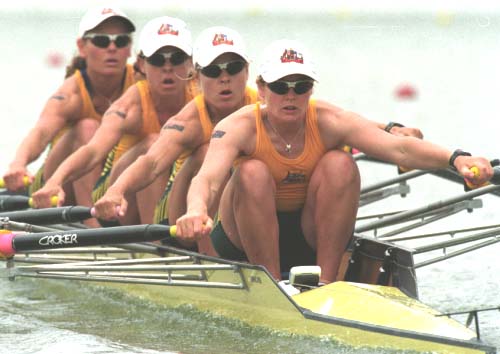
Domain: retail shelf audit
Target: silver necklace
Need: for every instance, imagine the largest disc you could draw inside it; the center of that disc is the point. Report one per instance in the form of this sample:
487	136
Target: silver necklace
288	145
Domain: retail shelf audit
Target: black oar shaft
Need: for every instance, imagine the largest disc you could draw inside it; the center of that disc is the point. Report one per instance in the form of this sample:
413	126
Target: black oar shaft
14	202
90	237
49	215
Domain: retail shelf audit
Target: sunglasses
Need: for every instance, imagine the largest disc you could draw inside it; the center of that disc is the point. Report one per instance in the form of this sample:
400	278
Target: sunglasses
101	40
175	58
282	87
214	70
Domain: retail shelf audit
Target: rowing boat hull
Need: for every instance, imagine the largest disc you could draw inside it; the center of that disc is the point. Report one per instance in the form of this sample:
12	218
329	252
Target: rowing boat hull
352	314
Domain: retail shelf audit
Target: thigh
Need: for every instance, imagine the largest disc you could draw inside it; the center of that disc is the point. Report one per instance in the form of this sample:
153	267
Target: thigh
333	192
250	187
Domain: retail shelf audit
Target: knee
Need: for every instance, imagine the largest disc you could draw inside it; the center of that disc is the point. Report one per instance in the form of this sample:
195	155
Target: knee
338	167
253	176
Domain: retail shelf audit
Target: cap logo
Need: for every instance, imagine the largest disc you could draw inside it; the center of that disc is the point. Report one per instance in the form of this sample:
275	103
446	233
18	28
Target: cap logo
221	39
292	56
106	11
167	28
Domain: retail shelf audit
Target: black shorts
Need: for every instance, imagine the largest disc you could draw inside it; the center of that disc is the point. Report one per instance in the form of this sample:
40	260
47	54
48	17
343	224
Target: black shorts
294	250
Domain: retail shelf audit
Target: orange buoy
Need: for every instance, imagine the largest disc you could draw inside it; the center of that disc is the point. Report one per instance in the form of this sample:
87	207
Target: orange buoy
54	59
405	92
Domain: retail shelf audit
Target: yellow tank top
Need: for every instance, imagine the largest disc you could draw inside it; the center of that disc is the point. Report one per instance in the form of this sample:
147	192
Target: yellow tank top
88	109
150	121
290	175
251	96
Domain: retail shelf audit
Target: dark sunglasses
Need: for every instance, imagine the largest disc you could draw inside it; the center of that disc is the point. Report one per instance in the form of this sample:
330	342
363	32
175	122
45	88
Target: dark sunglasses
282	87
102	40
214	70
175	58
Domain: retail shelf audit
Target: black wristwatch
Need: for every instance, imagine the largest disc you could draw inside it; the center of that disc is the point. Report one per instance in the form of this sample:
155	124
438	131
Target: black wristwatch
454	156
390	125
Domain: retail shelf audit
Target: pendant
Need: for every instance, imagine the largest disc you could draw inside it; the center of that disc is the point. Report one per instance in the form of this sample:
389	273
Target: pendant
288	147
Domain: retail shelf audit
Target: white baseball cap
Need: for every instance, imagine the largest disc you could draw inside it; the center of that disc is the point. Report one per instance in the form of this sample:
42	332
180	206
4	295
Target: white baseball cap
286	57
215	41
163	31
96	15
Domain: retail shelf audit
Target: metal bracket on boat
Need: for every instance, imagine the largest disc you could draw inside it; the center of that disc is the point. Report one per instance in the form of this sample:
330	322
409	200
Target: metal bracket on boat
151	271
492	236
374	196
426	215
472	315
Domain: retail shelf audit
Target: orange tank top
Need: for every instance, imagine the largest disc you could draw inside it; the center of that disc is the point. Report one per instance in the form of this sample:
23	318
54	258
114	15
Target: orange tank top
290	175
150	121
251	96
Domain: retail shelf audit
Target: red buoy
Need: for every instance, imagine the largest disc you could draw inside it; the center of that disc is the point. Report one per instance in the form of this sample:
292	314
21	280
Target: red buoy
405	92
54	59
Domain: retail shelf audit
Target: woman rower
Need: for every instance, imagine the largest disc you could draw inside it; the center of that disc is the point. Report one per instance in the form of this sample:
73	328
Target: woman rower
98	75
131	124
221	65
294	196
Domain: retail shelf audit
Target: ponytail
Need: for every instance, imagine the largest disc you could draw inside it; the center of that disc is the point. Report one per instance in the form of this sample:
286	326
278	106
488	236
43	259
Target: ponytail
77	63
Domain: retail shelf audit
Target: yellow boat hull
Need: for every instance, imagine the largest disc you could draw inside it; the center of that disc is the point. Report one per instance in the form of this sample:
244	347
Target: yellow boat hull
353	314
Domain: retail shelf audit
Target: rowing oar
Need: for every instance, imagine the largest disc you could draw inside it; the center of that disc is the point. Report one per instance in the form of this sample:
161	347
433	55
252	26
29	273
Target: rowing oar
11	243
18	202
50	215
493	186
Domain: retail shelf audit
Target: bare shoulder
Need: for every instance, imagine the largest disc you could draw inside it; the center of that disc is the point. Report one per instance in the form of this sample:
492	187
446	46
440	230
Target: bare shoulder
127	105
68	92
186	121
66	102
242	120
130	99
188	114
335	122
238	130
184	128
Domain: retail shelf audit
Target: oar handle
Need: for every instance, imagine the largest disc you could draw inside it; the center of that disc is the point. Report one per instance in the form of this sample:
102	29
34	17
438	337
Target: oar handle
11	243
49	215
53	201
18	202
495	179
26	182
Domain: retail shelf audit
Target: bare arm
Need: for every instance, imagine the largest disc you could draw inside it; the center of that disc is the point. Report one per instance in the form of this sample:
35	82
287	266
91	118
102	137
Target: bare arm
231	137
354	130
62	107
180	133
122	117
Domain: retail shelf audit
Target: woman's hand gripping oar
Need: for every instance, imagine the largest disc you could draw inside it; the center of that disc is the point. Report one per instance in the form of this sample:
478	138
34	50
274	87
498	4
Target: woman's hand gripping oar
470	183
15	186
45	197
